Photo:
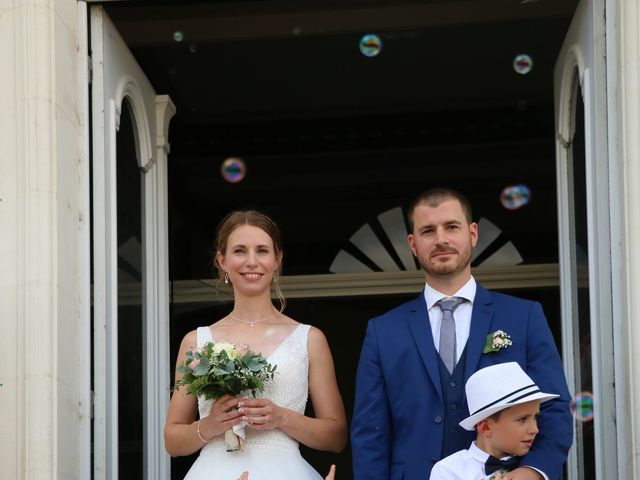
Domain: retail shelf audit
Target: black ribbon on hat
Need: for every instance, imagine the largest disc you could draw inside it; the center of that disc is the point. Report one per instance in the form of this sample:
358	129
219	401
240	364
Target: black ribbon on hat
494	464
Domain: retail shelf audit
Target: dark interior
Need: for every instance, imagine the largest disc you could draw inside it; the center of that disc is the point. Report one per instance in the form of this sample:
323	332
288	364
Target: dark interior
327	133
332	138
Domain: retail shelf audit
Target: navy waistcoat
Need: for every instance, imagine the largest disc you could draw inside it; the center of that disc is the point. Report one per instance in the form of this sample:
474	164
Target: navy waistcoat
454	437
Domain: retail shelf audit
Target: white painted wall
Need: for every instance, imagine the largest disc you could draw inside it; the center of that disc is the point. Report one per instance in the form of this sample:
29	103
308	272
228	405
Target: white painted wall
627	88
44	241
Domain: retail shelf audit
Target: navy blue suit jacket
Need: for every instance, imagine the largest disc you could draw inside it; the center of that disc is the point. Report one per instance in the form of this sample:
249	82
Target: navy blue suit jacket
397	427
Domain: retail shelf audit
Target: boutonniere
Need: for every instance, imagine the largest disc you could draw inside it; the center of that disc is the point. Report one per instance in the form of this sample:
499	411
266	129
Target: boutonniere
496	340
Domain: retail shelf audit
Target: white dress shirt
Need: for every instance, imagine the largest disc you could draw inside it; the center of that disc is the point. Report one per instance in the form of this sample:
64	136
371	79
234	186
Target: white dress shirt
466	465
463	465
462	314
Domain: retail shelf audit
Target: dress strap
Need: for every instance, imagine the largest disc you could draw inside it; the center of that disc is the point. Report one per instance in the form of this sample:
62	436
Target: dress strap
203	335
299	338
304	334
301	341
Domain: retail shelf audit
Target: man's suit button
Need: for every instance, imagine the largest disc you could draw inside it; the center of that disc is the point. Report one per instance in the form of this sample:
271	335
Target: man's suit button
452	384
454	406
437	419
454	430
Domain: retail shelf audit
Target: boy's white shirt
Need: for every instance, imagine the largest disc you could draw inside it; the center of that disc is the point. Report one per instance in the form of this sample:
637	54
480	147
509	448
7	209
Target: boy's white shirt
462	465
465	465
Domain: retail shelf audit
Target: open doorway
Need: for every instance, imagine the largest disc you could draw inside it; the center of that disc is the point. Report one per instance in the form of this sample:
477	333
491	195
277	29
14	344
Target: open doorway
457	93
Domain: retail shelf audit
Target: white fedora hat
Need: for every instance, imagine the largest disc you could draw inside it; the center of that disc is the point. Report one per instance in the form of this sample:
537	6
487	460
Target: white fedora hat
497	387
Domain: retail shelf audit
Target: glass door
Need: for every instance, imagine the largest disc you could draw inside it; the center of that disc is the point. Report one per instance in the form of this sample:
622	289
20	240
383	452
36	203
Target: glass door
585	272
130	280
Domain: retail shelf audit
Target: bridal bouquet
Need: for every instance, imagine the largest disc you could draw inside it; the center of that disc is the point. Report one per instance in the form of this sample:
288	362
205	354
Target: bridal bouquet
218	368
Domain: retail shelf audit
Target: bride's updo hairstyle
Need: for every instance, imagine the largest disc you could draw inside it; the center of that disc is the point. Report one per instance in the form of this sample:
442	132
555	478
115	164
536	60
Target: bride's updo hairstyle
254	218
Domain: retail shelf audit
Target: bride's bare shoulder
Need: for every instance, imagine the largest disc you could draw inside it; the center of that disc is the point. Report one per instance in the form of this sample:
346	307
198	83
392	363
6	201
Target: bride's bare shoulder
189	342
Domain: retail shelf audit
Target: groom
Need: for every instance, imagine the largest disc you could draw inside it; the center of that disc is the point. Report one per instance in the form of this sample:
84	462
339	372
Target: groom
416	358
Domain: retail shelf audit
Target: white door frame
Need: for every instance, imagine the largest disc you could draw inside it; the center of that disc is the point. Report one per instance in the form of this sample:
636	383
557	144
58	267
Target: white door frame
581	70
117	78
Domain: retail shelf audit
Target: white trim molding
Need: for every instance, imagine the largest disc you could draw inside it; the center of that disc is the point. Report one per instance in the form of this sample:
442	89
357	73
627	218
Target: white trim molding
157	355
128	88
355	284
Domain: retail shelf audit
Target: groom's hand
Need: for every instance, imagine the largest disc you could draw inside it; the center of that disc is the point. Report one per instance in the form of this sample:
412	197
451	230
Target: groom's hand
523	473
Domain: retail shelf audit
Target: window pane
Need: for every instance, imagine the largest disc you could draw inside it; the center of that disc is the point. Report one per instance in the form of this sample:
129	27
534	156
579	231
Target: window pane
583	411
131	374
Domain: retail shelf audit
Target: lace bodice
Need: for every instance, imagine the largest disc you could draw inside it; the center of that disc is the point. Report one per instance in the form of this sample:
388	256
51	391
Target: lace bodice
289	388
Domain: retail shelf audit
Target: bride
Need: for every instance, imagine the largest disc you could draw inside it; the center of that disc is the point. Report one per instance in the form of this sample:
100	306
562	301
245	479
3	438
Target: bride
249	259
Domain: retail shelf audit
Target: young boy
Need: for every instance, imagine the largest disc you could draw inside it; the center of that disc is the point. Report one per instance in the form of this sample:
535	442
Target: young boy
504	403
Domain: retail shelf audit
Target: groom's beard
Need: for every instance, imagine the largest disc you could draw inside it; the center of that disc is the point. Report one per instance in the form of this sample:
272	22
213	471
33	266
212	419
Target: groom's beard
459	262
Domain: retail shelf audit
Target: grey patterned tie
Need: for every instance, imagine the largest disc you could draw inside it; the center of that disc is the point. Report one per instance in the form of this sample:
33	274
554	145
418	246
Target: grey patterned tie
447	347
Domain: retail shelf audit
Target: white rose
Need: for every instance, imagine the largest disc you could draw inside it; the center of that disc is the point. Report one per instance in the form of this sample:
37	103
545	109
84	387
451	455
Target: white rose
229	348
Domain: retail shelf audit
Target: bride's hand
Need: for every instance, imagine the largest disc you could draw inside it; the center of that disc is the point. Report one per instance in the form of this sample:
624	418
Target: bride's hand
261	413
332	473
222	417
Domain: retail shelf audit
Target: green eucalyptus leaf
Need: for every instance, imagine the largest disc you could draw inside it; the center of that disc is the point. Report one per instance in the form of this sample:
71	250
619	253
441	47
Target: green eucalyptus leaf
203	367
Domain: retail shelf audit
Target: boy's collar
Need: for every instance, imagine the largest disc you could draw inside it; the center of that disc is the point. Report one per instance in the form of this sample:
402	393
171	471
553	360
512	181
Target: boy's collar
480	455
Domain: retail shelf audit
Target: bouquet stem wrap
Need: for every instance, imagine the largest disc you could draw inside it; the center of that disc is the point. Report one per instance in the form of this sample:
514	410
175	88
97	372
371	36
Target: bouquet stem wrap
233	441
235	437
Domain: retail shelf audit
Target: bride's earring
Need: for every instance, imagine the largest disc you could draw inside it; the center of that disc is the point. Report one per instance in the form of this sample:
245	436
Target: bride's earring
275	276
226	278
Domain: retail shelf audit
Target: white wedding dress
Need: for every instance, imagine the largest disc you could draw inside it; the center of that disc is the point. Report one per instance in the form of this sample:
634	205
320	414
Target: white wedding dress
267	454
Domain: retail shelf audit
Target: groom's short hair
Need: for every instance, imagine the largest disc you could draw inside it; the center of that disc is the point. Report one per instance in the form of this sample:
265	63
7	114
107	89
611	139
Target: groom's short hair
434	197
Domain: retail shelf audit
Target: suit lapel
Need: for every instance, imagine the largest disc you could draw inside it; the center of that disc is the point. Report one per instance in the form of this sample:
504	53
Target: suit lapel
421	330
480	323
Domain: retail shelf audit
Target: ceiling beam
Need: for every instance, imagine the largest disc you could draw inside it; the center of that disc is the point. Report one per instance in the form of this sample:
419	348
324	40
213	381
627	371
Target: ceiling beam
206	25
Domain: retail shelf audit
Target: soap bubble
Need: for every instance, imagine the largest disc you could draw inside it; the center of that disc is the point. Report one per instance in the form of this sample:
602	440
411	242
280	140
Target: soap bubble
233	170
522	64
515	196
370	45
582	406
178	36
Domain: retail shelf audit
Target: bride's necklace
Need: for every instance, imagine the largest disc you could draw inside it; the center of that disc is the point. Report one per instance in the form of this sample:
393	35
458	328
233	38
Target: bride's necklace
253	322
